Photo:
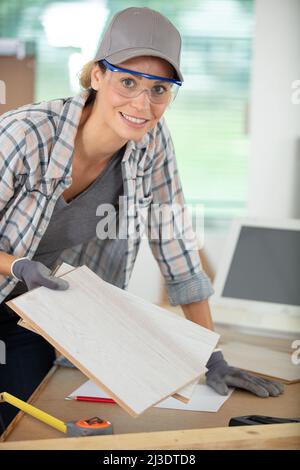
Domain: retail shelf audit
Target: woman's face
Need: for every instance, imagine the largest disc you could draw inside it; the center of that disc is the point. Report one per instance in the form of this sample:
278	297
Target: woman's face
113	109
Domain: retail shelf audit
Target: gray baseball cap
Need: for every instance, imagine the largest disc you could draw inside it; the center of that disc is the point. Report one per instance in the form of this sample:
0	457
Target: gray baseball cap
134	32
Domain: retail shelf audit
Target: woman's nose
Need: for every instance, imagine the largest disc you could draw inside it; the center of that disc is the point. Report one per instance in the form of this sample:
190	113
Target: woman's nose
142	100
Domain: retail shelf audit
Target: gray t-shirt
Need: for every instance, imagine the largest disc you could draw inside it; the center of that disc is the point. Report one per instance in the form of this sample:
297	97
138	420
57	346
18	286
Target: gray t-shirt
75	222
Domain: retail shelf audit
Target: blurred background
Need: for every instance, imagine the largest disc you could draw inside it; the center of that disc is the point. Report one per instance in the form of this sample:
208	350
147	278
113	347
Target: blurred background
235	126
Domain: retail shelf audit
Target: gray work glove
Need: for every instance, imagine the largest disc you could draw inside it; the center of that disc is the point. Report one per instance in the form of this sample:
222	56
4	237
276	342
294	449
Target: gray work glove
220	376
35	274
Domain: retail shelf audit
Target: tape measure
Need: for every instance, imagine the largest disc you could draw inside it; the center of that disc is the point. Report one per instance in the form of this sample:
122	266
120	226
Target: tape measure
85	427
89	427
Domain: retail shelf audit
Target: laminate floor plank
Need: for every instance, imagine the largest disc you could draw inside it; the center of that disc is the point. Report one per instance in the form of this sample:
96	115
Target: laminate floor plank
137	352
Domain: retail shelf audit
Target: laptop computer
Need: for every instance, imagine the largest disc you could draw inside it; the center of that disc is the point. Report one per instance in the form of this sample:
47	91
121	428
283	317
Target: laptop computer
257	284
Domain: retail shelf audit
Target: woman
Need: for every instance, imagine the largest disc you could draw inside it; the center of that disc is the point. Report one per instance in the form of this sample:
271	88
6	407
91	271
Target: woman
62	160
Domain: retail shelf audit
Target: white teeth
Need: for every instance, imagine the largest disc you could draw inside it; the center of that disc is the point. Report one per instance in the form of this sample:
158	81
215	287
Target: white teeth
132	119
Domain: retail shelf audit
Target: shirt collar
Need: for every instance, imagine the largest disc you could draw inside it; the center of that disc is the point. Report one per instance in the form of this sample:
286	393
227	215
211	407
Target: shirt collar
61	156
60	164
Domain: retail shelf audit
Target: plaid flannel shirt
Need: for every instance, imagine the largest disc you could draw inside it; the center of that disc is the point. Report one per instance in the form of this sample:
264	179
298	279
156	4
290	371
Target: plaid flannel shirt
36	149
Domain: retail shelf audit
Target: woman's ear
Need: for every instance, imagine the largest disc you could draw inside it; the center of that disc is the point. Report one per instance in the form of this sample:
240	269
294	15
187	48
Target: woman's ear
96	77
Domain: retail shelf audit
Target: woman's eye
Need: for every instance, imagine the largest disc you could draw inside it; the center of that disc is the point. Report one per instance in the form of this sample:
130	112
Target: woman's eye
128	82
159	89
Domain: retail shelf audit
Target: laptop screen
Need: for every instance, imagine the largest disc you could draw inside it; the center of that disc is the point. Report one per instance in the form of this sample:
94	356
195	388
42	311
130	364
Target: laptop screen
265	266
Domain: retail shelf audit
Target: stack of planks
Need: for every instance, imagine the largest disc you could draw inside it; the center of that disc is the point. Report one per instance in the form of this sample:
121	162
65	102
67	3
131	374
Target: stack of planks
137	352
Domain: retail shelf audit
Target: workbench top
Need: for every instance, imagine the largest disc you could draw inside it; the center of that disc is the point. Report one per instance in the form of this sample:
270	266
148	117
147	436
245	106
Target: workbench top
62	381
160	428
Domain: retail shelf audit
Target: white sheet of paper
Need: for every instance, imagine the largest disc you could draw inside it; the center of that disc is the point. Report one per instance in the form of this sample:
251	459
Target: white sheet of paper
204	398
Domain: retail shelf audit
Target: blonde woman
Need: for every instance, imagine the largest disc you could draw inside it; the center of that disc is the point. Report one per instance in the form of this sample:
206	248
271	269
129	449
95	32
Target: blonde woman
110	148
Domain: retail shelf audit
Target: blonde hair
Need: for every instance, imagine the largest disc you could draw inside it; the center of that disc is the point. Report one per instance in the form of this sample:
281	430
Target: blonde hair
85	73
85	79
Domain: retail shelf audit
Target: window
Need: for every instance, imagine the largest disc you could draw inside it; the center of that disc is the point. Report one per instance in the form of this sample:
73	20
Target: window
208	118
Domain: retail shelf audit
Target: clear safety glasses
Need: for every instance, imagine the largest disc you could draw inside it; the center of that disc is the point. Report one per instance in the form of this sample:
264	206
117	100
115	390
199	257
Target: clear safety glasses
130	84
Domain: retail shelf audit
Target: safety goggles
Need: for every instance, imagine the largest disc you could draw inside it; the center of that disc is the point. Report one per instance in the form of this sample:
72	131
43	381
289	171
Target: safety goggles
129	84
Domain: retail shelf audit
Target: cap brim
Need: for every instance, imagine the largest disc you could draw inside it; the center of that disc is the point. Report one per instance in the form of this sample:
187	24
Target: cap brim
121	56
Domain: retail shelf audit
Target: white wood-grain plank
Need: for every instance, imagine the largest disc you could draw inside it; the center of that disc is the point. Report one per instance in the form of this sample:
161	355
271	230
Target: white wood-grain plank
136	351
265	361
183	394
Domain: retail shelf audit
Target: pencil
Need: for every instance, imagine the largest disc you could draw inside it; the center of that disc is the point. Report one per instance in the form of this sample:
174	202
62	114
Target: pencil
92	399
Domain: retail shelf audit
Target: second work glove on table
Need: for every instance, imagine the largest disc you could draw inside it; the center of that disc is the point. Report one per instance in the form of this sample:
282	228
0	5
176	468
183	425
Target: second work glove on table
35	274
220	376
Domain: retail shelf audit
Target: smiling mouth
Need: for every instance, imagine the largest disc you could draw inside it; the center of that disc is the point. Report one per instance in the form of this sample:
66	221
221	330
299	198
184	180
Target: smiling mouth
134	119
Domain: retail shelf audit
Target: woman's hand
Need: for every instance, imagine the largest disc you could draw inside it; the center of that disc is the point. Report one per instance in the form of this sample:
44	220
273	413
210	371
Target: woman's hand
35	274
220	376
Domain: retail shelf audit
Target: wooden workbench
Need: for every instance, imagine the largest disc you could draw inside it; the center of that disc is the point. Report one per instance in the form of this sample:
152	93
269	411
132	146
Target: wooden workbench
156	428
160	428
